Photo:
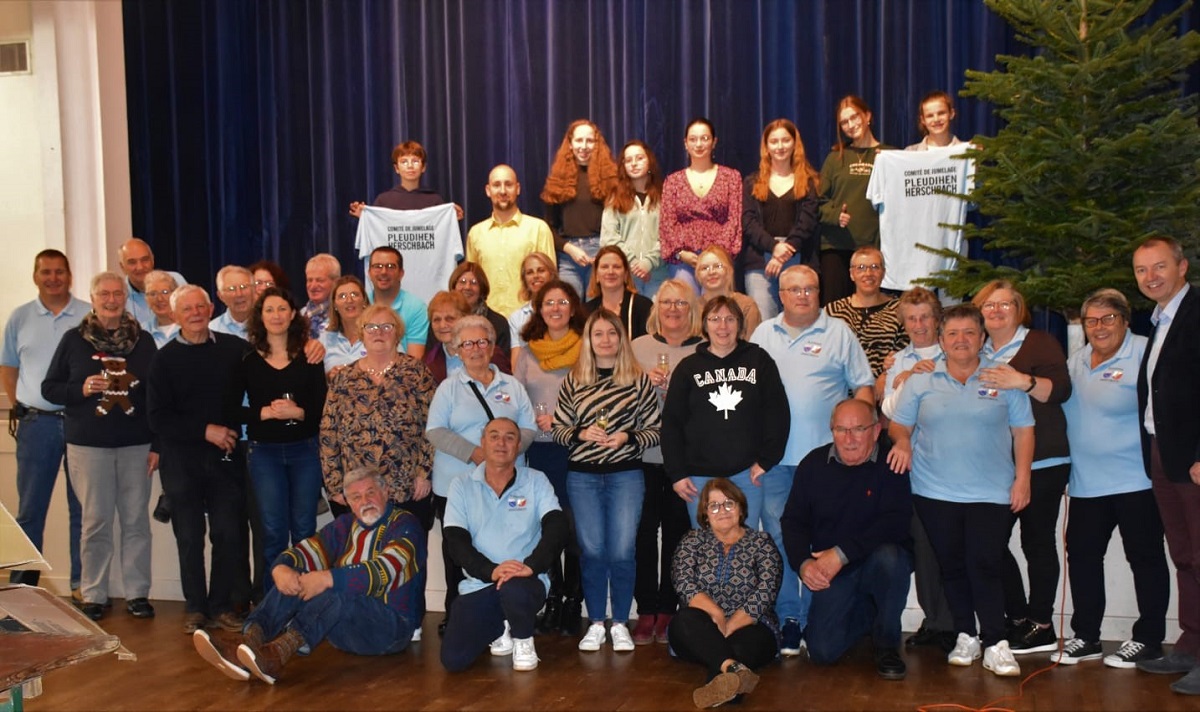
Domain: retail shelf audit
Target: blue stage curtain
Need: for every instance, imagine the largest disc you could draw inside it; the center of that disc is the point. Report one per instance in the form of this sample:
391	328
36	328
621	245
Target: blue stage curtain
253	125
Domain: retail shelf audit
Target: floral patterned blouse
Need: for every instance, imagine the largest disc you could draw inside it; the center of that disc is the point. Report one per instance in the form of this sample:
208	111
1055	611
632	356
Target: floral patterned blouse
747	577
381	426
688	222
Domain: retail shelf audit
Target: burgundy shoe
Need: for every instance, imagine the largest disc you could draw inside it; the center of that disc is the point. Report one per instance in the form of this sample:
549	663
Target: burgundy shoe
643	631
660	627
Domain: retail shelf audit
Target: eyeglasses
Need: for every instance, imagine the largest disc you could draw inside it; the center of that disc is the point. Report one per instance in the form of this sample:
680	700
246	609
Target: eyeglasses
856	430
470	344
468	281
556	302
699	139
408	162
673	303
159	292
347	296
230	289
715	320
715	507
1107	320
264	283
797	291
993	306
385	265
119	294
868	268
718	267
379	328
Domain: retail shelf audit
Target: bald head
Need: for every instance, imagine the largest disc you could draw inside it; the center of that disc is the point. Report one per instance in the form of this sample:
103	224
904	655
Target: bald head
137	260
503	189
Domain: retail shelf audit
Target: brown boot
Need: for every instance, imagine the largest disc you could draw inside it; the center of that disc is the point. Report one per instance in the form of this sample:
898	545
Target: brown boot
267	661
220	649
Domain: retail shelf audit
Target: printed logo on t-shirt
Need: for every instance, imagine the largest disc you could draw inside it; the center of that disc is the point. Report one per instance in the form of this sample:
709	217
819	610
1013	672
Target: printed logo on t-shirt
516	501
811	349
1112	374
861	168
725	399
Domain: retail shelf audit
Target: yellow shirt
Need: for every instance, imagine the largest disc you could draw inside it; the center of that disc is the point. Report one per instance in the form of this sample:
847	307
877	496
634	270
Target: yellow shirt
499	248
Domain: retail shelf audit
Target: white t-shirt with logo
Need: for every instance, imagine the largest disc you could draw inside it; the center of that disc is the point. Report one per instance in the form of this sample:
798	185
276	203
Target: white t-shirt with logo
430	241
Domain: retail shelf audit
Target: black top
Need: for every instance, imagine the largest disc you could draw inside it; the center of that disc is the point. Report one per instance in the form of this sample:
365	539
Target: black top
90	420
398	198
778	216
635	312
262	383
187	390
578	217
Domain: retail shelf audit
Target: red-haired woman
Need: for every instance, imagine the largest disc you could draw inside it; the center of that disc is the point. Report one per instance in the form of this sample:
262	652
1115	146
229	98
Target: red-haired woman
701	206
779	214
848	220
581	178
630	219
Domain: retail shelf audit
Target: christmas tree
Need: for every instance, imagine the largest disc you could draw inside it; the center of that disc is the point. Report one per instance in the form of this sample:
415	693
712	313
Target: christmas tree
1099	149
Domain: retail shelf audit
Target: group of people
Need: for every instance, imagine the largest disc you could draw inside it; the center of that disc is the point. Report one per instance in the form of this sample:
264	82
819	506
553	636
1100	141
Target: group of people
587	382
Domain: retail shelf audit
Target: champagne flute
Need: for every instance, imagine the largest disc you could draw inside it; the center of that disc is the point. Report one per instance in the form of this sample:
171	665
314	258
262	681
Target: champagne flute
602	418
292	398
542	409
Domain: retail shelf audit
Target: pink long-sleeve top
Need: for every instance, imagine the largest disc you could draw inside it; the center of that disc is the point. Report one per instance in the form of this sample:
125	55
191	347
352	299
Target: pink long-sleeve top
689	222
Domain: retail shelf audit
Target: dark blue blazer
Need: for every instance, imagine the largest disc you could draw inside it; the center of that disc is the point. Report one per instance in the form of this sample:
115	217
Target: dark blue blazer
1176	389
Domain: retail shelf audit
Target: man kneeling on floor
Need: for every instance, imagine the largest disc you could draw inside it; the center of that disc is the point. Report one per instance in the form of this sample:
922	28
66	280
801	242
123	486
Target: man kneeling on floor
846	531
350	583
504	528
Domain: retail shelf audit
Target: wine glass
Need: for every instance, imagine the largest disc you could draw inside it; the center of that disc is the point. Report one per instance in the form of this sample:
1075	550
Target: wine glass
542	409
602	418
292	398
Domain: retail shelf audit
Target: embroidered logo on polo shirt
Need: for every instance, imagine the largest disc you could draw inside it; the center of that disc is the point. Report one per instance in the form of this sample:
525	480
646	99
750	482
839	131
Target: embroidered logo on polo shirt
811	349
1112	374
501	397
516	502
989	393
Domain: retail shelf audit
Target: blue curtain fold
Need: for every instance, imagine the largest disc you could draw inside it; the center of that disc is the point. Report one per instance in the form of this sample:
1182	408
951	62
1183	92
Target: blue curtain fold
253	125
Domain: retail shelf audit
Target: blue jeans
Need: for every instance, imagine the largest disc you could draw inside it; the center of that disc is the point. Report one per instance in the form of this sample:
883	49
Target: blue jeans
865	597
754	497
649	287
41	446
287	480
570	272
685	274
351	622
607	511
776	486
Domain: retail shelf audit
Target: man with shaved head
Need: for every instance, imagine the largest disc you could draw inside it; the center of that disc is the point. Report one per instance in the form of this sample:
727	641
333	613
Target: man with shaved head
137	261
500	243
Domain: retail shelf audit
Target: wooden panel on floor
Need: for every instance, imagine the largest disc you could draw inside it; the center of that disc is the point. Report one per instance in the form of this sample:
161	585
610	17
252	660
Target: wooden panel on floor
169	675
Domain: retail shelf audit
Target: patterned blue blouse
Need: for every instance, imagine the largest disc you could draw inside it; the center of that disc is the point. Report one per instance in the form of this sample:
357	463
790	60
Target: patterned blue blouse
746	578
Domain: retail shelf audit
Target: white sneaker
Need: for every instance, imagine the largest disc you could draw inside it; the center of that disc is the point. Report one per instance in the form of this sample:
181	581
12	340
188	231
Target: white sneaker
966	651
999	659
416	636
504	644
524	655
593	638
621	639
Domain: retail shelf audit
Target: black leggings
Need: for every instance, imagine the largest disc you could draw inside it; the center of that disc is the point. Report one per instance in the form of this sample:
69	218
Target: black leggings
695	638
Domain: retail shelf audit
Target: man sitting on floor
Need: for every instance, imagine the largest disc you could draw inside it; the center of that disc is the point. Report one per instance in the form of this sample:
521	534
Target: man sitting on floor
504	528
351	582
846	531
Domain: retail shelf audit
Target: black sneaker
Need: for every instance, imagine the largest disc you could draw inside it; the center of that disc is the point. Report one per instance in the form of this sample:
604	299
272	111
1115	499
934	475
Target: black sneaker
923	636
791	637
1131	653
1076	650
889	664
1032	638
139	608
95	611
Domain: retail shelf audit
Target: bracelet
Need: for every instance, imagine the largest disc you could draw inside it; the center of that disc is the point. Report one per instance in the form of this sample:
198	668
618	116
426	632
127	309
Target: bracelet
1032	383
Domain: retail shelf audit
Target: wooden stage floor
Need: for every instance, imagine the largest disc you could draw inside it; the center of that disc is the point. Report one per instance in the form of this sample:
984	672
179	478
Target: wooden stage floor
169	675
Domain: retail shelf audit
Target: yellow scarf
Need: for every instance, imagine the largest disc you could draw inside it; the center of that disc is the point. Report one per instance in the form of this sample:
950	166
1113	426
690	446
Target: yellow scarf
553	355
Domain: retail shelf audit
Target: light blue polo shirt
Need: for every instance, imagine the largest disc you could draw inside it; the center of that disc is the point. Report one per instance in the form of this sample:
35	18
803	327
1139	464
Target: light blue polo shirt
31	337
906	358
161	334
504	527
415	315
226	324
339	351
517	321
820	368
1102	422
1006	354
456	408
962	443
135	301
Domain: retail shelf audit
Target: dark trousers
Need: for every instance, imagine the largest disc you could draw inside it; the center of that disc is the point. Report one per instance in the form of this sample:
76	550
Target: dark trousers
198	481
354	623
661	508
969	540
927	579
695	638
865	597
1179	507
566	580
454	573
478	618
1039	543
1089	527
835	275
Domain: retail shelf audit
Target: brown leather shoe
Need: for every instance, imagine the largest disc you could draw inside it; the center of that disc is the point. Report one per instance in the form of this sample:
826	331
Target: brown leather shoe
219	648
643	632
228	621
268	661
